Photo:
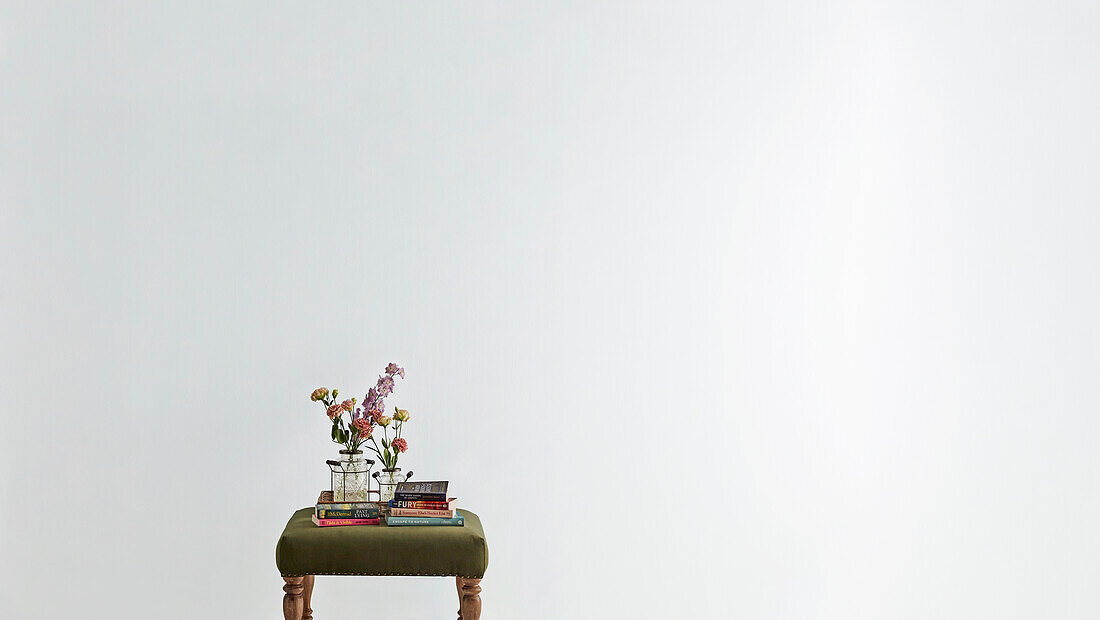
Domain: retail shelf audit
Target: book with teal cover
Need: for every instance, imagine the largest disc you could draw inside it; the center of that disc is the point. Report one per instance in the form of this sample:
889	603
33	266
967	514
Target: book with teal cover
323	512
456	520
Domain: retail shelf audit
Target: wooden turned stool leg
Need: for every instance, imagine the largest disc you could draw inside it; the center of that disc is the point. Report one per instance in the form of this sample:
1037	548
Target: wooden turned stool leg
307	594
292	600
458	580
469	598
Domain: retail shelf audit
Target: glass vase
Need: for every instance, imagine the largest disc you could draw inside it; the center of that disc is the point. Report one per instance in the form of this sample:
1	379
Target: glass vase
387	483
350	477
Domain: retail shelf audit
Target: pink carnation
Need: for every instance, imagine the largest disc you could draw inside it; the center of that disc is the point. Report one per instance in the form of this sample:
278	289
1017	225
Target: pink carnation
364	426
375	415
348	404
334	410
400	445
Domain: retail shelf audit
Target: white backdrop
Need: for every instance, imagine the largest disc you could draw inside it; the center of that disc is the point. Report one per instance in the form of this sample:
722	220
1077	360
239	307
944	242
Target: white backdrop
752	310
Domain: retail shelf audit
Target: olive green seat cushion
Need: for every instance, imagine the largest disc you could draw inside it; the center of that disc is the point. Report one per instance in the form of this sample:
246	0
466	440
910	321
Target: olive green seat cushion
306	549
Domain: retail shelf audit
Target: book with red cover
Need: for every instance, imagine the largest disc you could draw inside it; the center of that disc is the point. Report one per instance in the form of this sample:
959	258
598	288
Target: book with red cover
335	522
421	512
422	504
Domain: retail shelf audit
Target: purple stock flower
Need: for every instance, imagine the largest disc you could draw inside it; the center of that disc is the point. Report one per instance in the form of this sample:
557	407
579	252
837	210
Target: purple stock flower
385	386
373	401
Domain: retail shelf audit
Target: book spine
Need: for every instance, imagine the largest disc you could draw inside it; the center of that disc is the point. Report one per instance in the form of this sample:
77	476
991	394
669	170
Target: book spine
420	497
421	512
332	522
363	513
410	503
348	506
457	520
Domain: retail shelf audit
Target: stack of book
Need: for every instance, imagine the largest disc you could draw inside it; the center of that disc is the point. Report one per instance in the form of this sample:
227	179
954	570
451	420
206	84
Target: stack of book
329	513
422	503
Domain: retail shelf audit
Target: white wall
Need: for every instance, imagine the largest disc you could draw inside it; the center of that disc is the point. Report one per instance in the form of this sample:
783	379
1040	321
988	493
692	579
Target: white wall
771	310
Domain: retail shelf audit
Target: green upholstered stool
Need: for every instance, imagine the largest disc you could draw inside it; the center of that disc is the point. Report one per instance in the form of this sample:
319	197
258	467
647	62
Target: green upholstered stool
305	550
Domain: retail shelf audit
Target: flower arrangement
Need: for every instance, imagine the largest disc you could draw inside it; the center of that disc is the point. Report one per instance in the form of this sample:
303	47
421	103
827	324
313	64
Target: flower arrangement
361	420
